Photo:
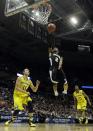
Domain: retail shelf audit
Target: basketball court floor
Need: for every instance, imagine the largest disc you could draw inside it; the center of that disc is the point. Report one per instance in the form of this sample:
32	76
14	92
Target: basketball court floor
47	127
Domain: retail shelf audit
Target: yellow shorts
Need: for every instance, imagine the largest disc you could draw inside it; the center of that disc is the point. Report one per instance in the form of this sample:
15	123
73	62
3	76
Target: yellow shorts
20	101
82	106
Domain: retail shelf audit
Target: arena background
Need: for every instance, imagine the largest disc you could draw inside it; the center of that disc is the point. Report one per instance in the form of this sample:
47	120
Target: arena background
20	47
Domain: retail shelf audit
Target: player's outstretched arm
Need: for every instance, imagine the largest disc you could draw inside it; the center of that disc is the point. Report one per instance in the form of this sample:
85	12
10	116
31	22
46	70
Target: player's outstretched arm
35	88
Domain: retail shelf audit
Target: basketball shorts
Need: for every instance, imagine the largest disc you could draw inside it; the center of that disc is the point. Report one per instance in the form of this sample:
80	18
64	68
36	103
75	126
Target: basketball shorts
56	76
20	101
82	106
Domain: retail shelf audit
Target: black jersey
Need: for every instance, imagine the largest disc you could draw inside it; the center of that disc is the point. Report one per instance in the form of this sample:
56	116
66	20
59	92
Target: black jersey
54	61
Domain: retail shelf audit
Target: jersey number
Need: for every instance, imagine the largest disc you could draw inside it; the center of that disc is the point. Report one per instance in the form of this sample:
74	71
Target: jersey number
24	87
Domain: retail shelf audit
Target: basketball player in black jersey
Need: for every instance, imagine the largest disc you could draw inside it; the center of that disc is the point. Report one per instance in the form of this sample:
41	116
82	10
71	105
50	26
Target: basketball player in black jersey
56	71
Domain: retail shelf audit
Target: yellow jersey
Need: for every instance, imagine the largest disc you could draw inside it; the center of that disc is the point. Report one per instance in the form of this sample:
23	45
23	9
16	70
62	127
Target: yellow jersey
79	96
23	84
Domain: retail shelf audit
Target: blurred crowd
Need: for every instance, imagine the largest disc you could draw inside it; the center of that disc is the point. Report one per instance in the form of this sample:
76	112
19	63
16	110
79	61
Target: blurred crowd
53	106
45	104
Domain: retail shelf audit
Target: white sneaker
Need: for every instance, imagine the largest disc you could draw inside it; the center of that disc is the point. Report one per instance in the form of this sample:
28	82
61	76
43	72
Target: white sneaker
32	124
56	93
7	123
64	92
65	81
80	120
86	122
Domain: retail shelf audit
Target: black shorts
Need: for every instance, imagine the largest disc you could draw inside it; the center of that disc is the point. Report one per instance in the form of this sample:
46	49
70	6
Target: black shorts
57	76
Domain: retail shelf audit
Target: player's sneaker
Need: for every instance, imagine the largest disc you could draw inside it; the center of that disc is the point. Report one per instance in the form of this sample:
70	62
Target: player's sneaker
86	121
7	122
10	121
65	81
32	124
64	92
80	120
56	93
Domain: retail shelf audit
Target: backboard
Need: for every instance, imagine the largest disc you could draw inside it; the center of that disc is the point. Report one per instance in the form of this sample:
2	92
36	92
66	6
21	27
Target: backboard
13	7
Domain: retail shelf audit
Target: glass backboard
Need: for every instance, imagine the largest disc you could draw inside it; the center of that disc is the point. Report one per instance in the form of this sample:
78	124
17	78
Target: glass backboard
13	7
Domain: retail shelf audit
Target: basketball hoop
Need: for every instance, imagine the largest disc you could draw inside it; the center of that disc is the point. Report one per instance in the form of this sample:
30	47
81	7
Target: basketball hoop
13	7
41	13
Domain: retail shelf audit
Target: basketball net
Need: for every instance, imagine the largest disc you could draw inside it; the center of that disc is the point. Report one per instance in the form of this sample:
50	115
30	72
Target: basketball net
41	13
13	7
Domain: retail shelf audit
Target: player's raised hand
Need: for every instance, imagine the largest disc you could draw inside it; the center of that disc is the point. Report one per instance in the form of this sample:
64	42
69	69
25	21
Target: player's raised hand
37	82
28	93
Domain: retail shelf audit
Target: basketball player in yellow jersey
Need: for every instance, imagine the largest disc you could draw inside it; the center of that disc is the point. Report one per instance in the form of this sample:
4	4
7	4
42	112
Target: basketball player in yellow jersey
21	96
80	101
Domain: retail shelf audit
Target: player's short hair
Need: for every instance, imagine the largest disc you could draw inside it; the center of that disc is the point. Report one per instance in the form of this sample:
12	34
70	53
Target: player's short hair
77	86
25	69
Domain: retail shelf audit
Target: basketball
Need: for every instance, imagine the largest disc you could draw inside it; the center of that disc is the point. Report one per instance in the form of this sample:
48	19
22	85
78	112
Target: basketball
51	27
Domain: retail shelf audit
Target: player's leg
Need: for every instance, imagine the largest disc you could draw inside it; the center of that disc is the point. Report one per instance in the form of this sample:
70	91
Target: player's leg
86	119
17	106
64	81
30	112
65	87
64	76
80	118
83	118
53	78
84	113
13	118
79	113
55	89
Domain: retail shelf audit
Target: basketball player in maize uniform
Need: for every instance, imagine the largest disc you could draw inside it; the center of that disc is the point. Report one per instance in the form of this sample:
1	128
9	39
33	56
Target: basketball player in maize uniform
80	101
55	70
22	97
